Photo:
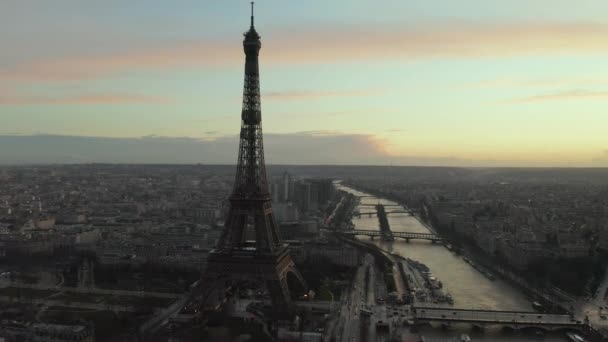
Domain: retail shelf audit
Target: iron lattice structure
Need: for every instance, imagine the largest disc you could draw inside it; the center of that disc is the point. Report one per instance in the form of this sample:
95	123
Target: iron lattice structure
250	203
250	178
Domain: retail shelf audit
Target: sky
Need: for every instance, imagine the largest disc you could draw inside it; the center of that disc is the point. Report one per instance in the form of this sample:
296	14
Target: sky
392	82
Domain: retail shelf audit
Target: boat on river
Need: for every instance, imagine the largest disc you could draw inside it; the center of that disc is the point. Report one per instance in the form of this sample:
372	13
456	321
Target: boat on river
465	338
575	337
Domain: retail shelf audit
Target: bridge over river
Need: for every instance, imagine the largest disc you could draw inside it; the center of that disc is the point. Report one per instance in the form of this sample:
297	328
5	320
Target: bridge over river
407	236
511	319
374	213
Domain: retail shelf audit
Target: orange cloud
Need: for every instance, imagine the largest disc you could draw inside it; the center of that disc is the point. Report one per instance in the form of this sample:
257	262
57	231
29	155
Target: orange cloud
452	40
165	57
456	40
81	99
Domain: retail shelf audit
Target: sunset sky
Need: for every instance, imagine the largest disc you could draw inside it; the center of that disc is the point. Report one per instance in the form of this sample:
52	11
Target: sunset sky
392	82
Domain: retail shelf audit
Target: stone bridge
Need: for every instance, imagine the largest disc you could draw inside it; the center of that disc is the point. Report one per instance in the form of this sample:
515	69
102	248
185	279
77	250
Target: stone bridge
510	319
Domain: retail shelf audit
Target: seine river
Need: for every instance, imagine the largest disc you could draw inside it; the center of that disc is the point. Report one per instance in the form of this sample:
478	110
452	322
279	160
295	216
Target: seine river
468	287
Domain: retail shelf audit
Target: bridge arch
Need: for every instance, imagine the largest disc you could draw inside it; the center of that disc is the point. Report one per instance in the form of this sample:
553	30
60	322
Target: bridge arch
567	329
533	328
295	282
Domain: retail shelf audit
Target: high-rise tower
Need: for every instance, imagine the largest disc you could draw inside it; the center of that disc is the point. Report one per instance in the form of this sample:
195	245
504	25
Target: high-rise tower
268	259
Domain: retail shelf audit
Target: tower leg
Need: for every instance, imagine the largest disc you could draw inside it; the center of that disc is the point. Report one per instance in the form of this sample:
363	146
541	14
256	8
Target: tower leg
281	300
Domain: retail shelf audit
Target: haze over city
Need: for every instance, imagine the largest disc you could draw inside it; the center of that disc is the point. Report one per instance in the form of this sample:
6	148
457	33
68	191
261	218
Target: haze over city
473	83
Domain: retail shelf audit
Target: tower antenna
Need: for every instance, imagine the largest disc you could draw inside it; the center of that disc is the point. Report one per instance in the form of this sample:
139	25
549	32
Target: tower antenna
252	14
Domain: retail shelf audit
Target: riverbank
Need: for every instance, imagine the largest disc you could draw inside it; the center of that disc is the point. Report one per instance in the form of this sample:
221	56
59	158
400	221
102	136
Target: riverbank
468	286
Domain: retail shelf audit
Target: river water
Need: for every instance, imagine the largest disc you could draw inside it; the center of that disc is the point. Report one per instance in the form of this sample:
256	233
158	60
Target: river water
468	287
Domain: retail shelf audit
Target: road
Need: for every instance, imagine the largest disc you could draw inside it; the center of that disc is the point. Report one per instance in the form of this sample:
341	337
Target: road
348	326
92	290
400	285
71	304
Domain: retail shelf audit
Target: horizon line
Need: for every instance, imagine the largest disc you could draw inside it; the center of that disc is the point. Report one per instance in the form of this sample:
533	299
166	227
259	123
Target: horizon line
307	165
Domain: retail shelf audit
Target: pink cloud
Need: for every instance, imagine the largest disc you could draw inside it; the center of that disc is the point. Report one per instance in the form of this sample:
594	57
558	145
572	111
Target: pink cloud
564	95
338	45
306	95
81	99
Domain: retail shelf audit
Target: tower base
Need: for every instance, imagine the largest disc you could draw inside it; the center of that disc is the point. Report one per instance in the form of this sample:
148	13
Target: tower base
228	268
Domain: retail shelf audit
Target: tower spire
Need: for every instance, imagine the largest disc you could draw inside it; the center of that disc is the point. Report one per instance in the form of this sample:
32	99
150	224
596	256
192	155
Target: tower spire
252	14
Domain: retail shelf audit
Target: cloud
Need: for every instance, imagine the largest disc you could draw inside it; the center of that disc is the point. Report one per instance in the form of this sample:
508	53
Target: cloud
301	148
307	95
184	55
602	159
577	94
556	82
335	45
81	99
318	147
297	148
445	40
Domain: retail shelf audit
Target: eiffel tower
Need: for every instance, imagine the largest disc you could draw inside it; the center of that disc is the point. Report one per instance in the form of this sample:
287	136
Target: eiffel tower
268	260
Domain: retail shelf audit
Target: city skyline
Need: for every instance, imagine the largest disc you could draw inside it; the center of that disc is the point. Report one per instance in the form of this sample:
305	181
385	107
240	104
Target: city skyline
518	84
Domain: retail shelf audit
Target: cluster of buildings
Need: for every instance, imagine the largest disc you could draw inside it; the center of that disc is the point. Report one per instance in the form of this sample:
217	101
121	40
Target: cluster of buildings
16	331
57	210
170	216
294	199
